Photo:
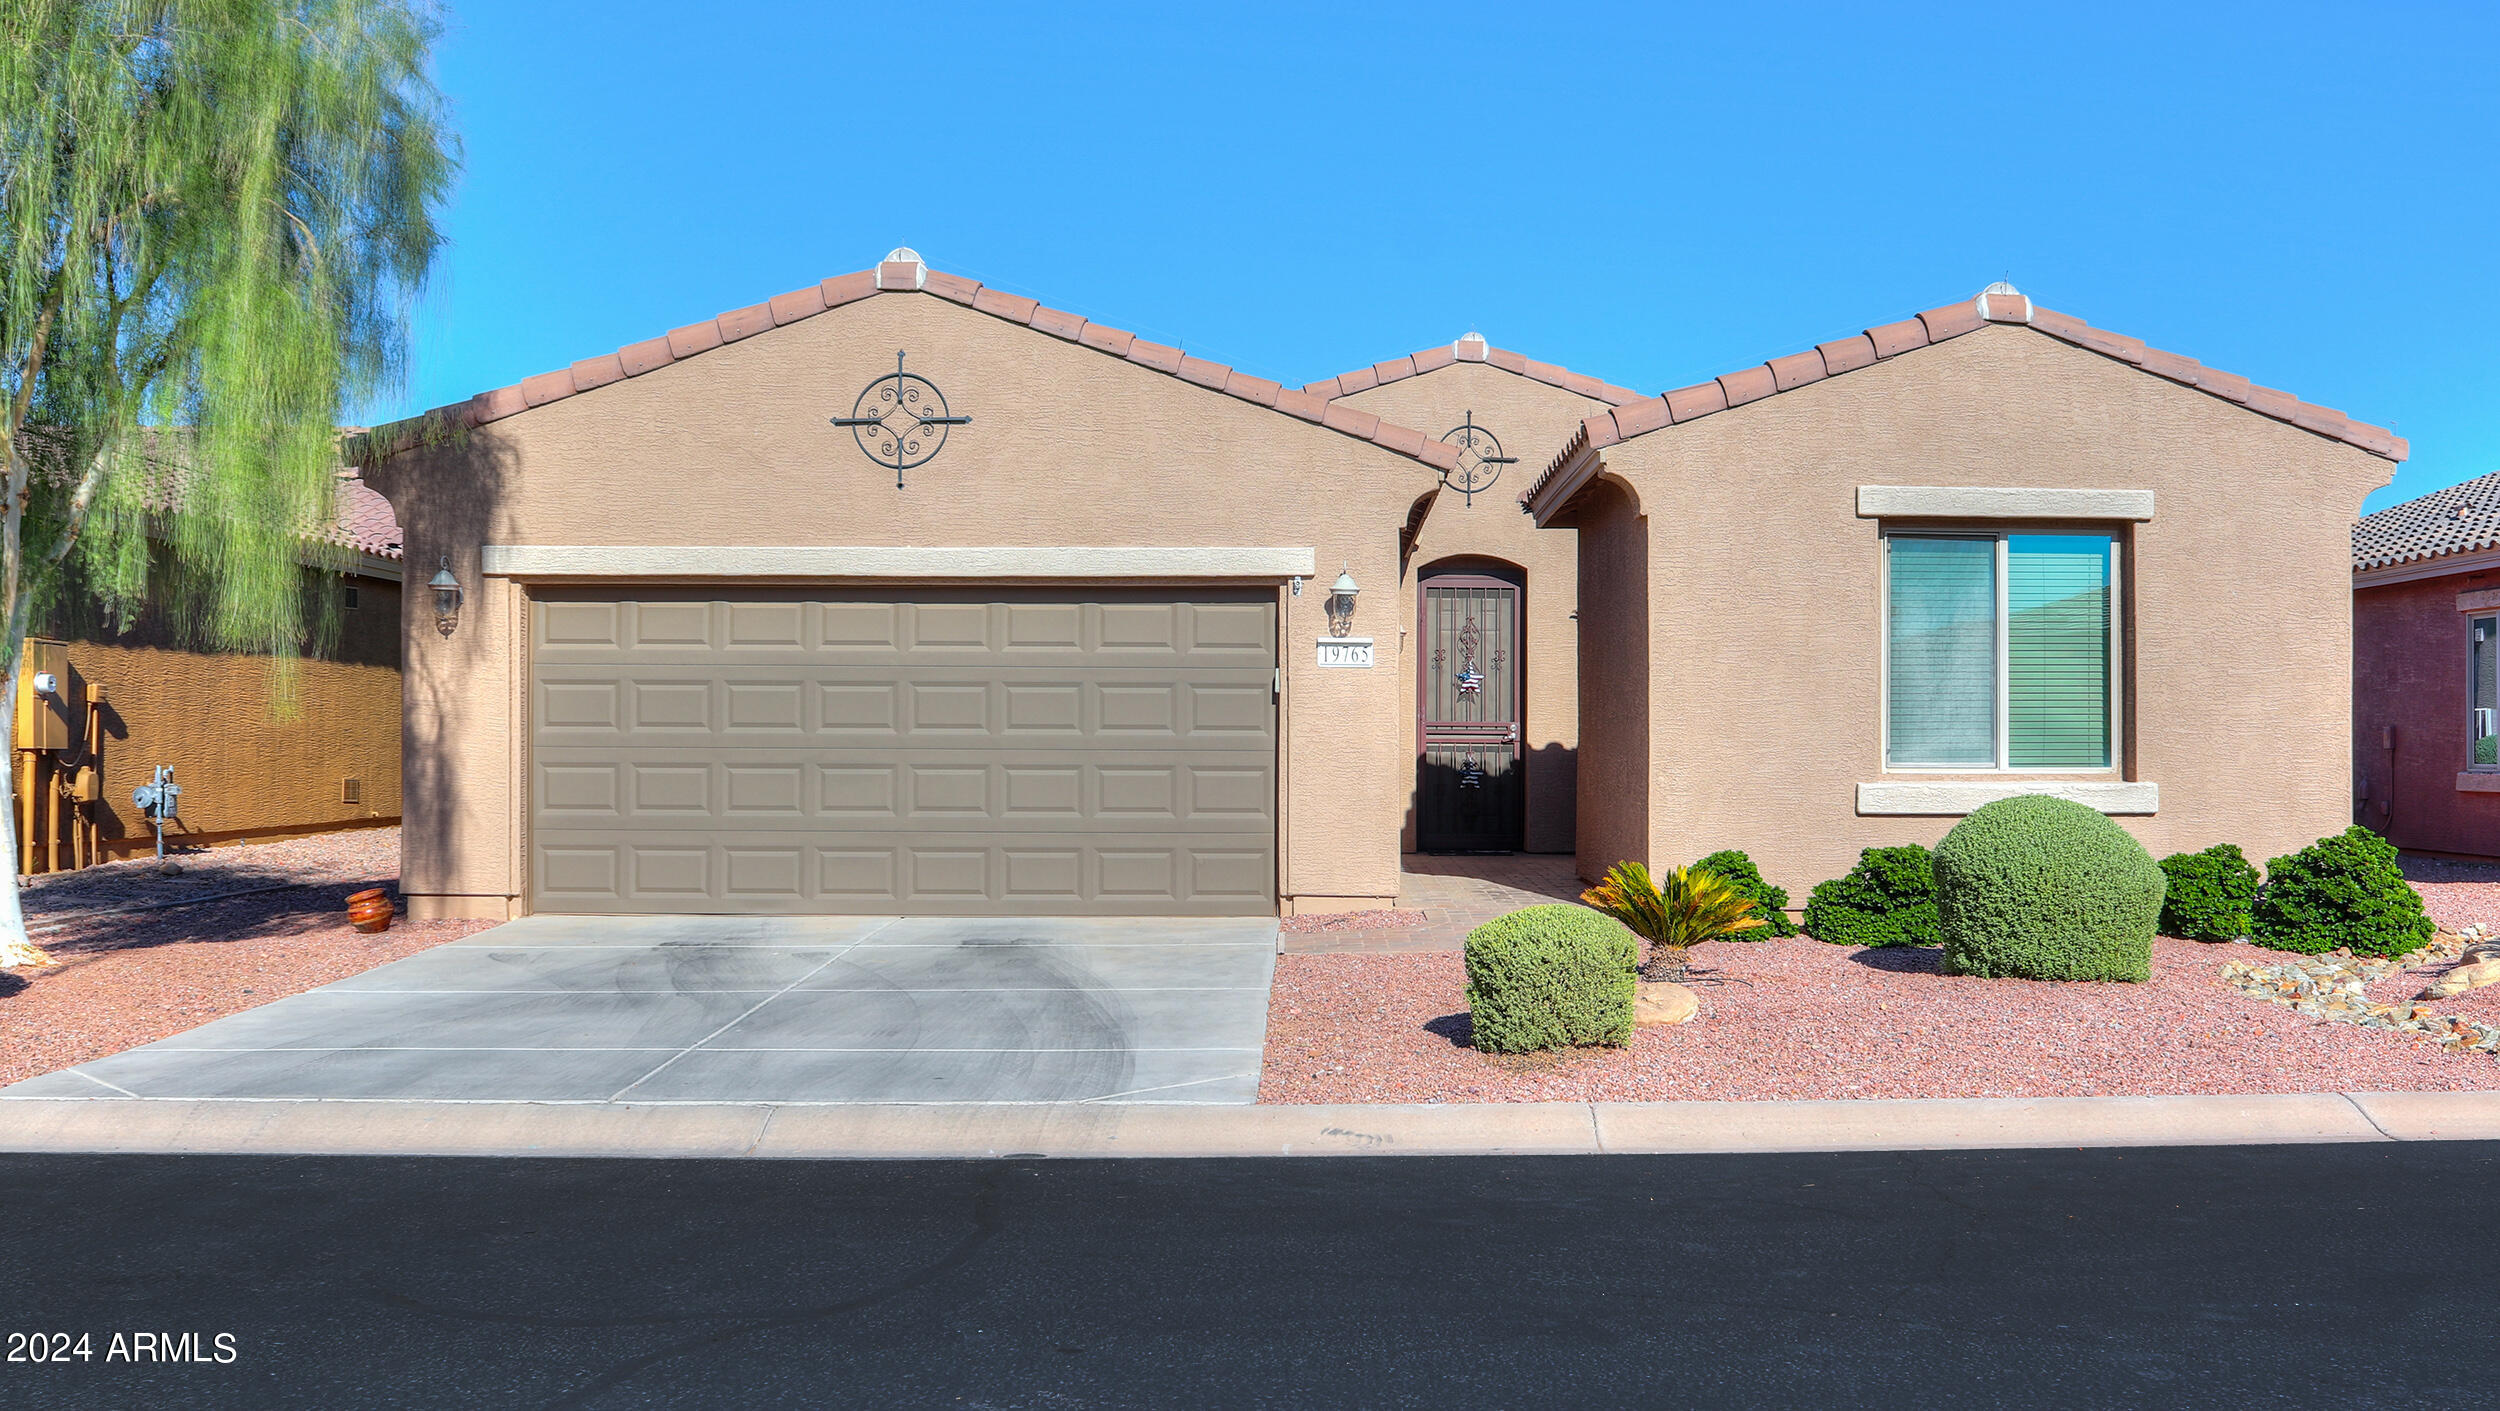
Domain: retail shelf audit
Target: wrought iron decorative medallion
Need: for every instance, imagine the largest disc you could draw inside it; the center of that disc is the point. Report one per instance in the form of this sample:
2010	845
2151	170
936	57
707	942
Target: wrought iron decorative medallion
1480	459
900	420
1470	637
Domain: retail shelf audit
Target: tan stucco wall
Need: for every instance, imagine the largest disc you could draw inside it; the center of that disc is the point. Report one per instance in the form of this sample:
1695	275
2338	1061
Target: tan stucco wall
1067	447
1532	420
1765	618
249	760
1613	803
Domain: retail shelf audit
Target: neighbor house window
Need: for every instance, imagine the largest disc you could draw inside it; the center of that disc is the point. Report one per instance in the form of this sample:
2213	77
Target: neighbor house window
2000	651
2485	691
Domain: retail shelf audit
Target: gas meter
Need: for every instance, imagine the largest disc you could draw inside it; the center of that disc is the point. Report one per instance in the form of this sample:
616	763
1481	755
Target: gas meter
157	800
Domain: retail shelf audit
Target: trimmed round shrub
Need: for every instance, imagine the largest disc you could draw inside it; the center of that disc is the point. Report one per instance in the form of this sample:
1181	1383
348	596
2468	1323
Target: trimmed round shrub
2340	891
1769	903
2210	894
2042	888
1888	899
1555	976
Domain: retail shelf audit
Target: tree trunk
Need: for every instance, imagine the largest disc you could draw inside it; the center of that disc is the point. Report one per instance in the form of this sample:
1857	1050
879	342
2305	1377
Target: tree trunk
1666	963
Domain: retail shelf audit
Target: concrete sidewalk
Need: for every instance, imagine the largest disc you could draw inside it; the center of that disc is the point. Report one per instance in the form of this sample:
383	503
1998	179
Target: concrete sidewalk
975	1130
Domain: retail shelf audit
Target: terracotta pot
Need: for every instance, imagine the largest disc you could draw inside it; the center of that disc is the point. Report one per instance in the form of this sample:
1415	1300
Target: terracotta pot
370	910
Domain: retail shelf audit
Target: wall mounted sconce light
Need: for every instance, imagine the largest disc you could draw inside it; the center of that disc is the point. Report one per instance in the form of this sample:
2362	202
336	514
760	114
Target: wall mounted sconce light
447	597
1341	595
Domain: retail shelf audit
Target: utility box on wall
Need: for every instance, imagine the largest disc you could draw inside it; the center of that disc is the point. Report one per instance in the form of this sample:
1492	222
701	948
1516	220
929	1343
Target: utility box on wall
43	718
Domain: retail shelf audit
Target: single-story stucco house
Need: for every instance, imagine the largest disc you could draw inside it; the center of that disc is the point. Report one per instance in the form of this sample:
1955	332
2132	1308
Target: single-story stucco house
1857	591
901	594
2426	671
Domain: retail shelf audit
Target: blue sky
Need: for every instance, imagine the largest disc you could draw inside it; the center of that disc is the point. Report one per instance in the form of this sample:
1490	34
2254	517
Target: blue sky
1651	194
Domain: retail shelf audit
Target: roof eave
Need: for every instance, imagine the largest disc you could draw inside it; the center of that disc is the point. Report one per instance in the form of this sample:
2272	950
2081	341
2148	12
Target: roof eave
1888	341
448	423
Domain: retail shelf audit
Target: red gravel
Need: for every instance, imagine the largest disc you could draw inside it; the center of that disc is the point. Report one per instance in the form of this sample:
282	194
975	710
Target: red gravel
1351	921
126	980
2405	984
1818	1021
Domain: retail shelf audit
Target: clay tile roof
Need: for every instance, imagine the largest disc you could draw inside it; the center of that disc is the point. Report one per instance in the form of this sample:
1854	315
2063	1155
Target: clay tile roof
1469	348
1999	303
365	521
2450	521
901	272
359	518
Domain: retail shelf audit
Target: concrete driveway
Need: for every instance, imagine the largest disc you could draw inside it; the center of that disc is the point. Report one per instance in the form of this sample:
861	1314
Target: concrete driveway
579	1009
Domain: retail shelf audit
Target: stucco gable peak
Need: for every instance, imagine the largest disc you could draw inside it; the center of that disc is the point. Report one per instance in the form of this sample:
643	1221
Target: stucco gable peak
1997	304
1468	347
902	271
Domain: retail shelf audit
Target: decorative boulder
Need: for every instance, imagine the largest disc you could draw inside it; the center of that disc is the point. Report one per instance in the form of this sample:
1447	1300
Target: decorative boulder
2043	888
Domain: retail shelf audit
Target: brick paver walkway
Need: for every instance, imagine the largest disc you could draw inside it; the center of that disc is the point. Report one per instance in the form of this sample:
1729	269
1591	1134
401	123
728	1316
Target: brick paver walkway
1456	895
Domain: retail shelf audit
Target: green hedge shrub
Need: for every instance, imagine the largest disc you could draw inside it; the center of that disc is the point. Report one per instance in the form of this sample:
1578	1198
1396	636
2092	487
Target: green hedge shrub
1888	899
1769	903
2210	894
2042	888
2345	890
1551	976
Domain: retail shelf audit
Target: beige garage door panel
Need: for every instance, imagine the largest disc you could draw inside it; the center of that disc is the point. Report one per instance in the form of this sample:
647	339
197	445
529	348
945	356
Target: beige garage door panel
962	752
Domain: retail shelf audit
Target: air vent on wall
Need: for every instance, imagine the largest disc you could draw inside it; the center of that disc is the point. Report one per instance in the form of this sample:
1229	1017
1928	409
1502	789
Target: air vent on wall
352	791
351	597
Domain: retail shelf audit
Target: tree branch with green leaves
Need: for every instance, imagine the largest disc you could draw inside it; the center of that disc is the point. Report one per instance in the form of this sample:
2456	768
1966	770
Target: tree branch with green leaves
215	216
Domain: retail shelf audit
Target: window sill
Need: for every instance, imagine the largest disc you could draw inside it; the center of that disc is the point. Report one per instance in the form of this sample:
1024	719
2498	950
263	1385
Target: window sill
2479	781
1950	798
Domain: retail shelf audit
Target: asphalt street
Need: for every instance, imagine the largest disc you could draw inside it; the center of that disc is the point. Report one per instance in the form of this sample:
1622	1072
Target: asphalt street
2331	1275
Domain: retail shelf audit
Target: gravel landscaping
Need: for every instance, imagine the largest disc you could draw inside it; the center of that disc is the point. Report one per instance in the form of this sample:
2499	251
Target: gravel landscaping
141	976
1801	1019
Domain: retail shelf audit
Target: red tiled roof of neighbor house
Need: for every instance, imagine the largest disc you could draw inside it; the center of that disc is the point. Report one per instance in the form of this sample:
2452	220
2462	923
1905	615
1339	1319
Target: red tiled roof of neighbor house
360	518
1470	348
365	521
2456	520
900	272
1998	304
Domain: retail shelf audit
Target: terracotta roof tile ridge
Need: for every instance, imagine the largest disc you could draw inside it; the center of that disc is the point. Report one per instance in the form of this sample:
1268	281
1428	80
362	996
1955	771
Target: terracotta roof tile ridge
2458	519
1998	303
1469	347
901	271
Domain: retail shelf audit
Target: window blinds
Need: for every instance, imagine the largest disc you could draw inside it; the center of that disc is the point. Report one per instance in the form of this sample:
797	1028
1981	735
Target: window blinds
1941	651
2057	651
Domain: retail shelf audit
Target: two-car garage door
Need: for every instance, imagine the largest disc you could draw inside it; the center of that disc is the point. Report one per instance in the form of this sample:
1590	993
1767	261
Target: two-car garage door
993	751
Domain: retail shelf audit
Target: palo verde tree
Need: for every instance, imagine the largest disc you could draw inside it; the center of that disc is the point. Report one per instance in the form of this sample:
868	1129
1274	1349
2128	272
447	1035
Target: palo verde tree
214	216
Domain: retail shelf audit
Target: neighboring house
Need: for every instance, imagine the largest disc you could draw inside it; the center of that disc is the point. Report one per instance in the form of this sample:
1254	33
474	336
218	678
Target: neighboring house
250	763
712	649
1986	551
2426	647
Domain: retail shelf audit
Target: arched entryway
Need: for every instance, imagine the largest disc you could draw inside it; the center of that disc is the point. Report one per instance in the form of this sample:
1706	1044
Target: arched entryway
1470	703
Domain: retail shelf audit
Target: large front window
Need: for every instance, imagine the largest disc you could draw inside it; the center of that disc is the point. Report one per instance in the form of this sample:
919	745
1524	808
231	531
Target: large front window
2000	651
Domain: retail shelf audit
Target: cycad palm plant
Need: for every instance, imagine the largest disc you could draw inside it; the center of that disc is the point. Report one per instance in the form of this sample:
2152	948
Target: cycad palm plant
1691	908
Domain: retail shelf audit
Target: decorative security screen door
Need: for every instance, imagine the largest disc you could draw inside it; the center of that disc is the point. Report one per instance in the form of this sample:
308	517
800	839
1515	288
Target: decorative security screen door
1467	779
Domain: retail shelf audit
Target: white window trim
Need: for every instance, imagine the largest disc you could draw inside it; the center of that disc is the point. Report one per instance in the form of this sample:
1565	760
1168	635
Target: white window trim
2472	616
2001	502
2004	666
1950	798
889	561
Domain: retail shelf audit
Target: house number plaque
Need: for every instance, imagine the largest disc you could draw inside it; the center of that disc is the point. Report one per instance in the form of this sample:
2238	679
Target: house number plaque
1345	651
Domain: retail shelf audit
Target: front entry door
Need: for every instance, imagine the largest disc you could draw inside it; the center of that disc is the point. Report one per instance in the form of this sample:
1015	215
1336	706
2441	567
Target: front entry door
1468	790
